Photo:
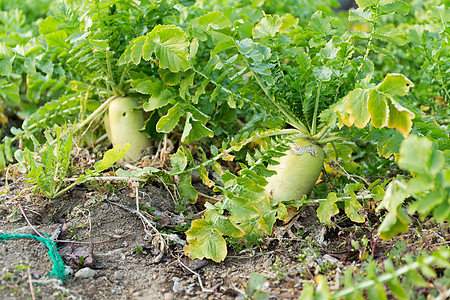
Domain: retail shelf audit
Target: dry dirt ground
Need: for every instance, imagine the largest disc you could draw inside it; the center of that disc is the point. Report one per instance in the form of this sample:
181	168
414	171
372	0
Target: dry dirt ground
139	255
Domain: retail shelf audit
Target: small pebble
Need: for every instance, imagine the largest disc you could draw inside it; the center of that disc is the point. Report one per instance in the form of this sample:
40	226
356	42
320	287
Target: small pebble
68	271
168	296
85	273
118	275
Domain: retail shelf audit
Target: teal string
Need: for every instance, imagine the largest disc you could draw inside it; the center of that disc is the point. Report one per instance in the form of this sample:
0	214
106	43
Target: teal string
58	268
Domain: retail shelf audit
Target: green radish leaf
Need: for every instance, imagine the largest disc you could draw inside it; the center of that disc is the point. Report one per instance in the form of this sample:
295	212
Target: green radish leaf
205	241
147	85
168	122
366	3
57	39
327	209
399	7
194	130
9	92
415	154
158	100
187	191
169	43
186	83
361	15
268	26
6	65
143	173
178	161
169	77
391	35
110	157
49	25
395	222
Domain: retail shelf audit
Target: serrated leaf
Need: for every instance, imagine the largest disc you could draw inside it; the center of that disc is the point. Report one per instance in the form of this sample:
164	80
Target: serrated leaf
110	157
222	223
205	241
327	209
268	26
353	208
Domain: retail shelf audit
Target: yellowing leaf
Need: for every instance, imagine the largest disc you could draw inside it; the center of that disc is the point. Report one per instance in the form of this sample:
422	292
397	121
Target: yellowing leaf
395	85
400	117
205	241
357	107
110	157
378	109
327	209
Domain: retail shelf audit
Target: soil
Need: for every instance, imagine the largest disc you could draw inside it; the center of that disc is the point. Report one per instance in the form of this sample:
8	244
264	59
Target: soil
132	260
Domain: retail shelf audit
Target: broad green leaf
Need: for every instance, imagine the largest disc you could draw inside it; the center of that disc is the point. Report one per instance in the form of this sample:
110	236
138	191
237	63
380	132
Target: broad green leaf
169	77
421	183
327	209
392	35
395	85
110	157
426	204
9	92
329	51
49	25
158	100
169	43
215	20
57	39
147	85
323	73
357	107
186	83
194	130
187	191
415	154
399	7
178	161
268	26
205	241
6	65
400	117
395	222
168	122
362	15
378	109
366	3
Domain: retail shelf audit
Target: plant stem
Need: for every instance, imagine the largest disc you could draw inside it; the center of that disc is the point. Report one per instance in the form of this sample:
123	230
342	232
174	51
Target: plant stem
94	114
316	108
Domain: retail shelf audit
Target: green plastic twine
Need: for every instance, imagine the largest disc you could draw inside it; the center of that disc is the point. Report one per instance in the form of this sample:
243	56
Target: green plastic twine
58	269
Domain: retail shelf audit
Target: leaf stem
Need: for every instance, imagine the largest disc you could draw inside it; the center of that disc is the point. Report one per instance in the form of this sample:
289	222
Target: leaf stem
316	108
94	114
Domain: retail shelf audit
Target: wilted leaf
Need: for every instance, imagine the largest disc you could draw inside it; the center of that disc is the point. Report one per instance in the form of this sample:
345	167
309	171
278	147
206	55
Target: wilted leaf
205	241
